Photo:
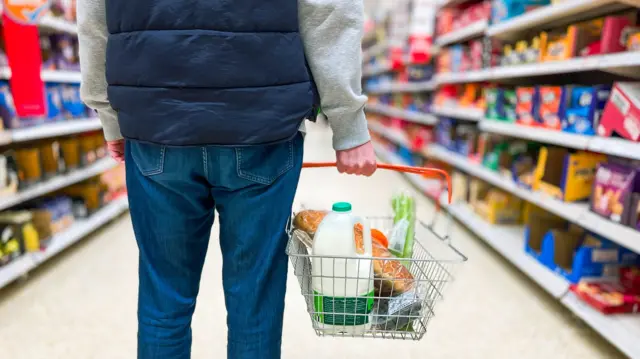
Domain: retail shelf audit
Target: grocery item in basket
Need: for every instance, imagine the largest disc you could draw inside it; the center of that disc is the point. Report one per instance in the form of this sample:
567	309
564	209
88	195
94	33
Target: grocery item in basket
391	276
342	280
396	313
309	220
404	220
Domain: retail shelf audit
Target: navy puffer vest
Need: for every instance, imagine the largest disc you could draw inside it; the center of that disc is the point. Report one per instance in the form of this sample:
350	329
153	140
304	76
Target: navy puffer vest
207	72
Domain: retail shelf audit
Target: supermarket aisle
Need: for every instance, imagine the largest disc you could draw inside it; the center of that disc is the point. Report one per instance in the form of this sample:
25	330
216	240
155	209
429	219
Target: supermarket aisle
82	304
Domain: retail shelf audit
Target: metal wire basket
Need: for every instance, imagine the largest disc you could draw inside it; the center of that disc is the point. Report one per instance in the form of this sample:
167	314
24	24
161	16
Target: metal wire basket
401	293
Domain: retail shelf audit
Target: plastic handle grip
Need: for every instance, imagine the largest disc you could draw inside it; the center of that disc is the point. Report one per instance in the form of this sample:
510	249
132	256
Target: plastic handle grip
423	171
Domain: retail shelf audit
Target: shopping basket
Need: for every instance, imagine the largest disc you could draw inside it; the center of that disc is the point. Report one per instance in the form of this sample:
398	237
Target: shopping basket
403	314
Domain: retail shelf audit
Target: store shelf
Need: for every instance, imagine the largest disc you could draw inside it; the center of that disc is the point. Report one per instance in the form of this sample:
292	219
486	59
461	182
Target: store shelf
373	51
509	242
48	75
468	32
80	229
577	213
462	77
56	183
607	145
393	135
545	16
622	331
411	116
469	114
536	134
62	128
403	87
57	24
373	70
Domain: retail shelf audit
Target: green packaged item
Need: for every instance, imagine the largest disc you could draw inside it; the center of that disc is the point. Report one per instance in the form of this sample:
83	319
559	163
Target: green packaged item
404	222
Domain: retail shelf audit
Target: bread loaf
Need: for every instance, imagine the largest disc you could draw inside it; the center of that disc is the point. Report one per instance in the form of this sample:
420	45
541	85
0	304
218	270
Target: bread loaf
308	221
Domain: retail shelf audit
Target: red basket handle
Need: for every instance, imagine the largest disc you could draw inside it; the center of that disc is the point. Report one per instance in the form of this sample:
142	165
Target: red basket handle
424	171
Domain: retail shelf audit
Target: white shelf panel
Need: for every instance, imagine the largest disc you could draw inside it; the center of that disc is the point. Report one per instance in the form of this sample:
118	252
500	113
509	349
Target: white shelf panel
463	77
542	16
607	145
56	24
403	87
536	134
82	227
61	128
469	114
77	231
624	63
73	77
56	183
468	32
509	242
411	116
623	331
16	269
578	213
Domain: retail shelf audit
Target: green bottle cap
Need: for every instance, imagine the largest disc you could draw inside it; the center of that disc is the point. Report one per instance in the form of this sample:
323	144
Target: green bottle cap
342	207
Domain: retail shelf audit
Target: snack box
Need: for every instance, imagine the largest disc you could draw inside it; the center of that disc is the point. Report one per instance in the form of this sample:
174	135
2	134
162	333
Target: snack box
72	104
17	236
610	38
528	99
621	114
553	105
500	104
566	175
608	297
53	215
630	279
54	102
613	187
585	109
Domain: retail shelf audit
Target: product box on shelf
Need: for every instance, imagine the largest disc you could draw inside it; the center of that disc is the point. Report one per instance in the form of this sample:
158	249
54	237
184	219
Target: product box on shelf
609	38
615	189
7	107
553	105
460	183
87	197
564	174
585	109
607	296
494	205
17	236
621	115
500	104
502	10
72	104
54	101
29	165
537	223
527	105
52	215
524	164
8	174
576	255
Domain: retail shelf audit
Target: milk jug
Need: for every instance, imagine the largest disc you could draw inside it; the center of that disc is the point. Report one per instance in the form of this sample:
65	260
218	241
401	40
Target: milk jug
342	279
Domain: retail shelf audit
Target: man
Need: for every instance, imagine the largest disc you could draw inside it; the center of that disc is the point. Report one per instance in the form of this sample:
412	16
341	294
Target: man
210	96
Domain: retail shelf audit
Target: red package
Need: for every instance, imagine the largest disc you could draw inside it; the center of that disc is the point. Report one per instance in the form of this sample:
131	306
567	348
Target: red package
607	297
630	279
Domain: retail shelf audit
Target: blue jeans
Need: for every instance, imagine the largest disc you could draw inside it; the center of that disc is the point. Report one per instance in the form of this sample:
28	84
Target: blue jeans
173	192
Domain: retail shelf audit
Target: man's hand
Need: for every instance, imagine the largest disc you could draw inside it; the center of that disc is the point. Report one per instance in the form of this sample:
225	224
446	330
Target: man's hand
116	150
360	160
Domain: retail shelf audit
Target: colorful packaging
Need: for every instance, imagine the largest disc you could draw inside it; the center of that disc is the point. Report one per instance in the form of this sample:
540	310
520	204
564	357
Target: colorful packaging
553	104
527	105
621	115
585	109
500	104
72	104
503	10
401	239
7	107
607	297
613	187
54	100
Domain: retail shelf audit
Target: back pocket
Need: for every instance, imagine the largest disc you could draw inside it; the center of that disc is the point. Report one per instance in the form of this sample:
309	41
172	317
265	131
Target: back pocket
149	158
264	164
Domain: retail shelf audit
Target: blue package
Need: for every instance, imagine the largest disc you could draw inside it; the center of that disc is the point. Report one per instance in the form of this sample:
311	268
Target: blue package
585	108
54	102
71	102
502	10
7	107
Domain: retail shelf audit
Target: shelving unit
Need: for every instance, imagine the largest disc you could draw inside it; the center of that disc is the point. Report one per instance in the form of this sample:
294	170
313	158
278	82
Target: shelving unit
54	129
411	116
72	77
79	230
461	113
56	183
423	86
468	32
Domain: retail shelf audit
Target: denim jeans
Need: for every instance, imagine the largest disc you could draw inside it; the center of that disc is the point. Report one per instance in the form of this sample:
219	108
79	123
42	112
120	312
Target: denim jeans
173	192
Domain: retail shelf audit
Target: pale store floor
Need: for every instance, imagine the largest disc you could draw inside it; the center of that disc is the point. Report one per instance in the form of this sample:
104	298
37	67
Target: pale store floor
83	304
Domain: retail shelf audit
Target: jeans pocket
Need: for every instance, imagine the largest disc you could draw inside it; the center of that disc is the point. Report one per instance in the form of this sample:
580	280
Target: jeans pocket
149	158
264	164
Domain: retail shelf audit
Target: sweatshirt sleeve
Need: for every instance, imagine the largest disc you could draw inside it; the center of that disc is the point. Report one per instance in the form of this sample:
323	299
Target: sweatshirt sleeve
92	38
332	33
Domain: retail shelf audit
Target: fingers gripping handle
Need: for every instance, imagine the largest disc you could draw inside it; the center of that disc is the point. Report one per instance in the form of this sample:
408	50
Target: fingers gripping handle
423	171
